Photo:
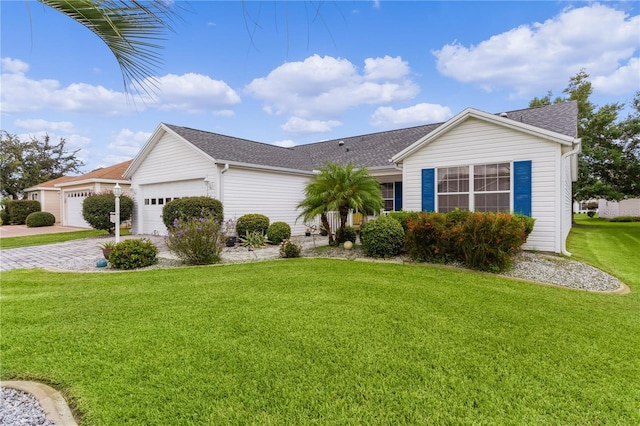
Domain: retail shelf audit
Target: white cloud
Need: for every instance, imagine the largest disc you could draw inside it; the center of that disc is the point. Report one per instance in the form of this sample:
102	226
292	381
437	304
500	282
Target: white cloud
385	68
544	55
286	143
324	87
128	143
20	94
188	93
192	93
624	80
418	114
39	125
300	126
14	65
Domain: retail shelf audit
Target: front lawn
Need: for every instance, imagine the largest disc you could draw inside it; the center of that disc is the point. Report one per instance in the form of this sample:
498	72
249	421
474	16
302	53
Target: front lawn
60	237
306	341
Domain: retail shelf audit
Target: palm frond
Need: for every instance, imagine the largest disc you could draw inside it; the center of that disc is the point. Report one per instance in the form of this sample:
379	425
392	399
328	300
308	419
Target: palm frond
130	29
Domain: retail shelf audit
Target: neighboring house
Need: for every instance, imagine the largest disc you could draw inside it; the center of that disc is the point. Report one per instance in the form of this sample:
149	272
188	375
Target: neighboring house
520	161
611	209
63	197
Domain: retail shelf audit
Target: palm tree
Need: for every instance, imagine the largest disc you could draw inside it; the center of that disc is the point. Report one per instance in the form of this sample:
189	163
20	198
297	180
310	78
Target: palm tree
340	188
128	28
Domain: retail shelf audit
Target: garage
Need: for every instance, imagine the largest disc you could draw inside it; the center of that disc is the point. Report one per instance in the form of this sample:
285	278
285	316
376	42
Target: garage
153	197
73	208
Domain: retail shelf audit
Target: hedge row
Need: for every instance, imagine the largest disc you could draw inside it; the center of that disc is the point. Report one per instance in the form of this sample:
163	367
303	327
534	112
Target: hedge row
484	241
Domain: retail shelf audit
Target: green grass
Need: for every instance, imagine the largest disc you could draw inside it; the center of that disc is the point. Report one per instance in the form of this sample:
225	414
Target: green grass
322	341
42	239
613	247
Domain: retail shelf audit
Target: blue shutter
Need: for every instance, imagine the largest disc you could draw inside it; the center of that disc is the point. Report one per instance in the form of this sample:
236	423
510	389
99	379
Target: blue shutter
428	190
522	187
398	196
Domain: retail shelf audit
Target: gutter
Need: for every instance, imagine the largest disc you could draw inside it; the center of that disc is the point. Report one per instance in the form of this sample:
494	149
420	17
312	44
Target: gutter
577	147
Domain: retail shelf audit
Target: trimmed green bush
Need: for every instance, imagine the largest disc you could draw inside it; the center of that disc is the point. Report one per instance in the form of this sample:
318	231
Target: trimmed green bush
4	217
252	222
289	249
196	241
382	237
278	232
192	208
38	219
18	210
458	216
348	233
97	208
591	213
134	253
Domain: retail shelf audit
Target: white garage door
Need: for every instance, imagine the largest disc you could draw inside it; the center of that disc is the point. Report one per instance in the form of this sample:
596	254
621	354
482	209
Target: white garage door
73	208
155	196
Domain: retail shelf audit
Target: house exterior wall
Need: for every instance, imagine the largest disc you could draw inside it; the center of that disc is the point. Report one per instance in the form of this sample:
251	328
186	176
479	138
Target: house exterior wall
171	169
273	194
478	142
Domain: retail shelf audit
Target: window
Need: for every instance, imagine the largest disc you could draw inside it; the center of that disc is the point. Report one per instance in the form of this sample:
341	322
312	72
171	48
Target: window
34	196
453	188
491	187
387	195
488	191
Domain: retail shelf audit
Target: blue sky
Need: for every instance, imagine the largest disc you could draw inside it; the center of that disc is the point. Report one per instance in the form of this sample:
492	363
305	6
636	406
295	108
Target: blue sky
279	73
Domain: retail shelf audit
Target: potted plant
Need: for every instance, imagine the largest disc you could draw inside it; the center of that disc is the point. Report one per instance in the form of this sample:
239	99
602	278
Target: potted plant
107	248
229	231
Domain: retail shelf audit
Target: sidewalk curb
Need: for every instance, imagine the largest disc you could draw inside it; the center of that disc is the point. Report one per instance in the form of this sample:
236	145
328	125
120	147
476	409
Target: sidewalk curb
53	404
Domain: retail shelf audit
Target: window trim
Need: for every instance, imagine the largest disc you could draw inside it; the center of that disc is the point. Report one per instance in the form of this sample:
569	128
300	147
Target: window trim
472	192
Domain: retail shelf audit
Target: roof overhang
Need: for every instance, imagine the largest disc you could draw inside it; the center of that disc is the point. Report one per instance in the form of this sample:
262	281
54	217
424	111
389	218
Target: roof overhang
470	113
92	181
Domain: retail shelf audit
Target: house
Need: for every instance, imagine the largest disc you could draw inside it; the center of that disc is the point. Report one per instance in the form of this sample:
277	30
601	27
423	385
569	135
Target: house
63	196
522	161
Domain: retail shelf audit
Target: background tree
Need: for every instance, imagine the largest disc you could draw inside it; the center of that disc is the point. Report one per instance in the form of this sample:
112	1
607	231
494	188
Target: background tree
128	28
609	164
28	163
340	189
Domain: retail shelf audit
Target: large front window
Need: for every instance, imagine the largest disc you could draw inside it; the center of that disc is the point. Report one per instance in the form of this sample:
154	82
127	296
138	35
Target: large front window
488	191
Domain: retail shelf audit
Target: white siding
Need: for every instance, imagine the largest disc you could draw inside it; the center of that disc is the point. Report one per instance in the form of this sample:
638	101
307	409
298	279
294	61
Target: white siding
567	199
170	160
172	169
272	194
478	142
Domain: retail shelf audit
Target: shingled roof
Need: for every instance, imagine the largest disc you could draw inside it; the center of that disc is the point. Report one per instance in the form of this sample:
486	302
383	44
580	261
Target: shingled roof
370	150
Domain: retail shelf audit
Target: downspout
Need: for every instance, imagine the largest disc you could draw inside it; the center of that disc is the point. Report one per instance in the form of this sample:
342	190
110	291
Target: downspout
574	151
220	187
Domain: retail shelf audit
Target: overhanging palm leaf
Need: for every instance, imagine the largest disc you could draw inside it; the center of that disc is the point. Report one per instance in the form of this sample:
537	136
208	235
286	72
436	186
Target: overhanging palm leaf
130	30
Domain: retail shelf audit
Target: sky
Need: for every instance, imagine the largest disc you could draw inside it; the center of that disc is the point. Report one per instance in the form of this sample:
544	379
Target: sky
294	72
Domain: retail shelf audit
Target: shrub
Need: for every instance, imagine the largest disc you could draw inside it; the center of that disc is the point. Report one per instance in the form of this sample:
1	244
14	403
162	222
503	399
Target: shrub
527	221
382	237
196	241
348	233
192	208
37	219
591	213
97	208
18	210
625	219
252	222
133	253
4	216
278	232
489	241
403	218
458	216
289	249
253	240
427	237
